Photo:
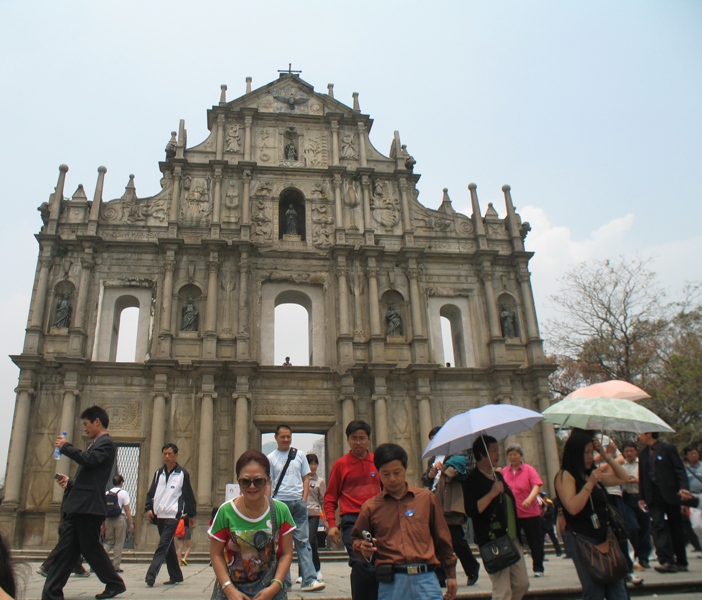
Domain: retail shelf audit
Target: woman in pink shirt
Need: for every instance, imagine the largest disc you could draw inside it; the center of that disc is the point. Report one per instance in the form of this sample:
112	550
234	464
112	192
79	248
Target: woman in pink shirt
525	484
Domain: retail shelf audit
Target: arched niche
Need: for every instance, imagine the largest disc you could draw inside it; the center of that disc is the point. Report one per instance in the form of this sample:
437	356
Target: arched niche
113	300
393	311
189	307
509	317
62	307
291	215
311	298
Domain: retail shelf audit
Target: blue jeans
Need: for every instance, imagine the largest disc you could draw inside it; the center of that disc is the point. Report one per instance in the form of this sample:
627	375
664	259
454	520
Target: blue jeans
591	589
422	586
298	510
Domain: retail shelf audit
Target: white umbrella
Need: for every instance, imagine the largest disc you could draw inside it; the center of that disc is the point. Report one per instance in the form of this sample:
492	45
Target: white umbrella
609	414
496	420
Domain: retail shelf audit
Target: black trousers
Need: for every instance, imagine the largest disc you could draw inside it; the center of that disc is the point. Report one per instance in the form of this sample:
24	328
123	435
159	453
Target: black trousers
549	528
80	535
462	550
531	527
364	585
668	533
166	551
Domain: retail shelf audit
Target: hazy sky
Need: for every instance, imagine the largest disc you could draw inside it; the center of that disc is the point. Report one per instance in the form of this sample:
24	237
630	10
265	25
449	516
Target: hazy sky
590	110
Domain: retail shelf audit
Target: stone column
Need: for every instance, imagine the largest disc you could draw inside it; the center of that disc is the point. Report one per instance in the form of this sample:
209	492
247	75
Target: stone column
335	142
485	274
406	215
242	345
342	274
175	198
245	201
362	144
166	334
204	472
381	419
35	328
213	268
68	417
241	424
77	332
528	302
548	437
367	217
425	423
247	137
220	138
158	427
348	411
217	196
18	444
338	206
415	302
373	304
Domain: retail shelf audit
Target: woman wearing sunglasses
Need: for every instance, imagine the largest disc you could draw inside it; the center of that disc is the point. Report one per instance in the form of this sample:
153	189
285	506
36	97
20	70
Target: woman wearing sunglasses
250	548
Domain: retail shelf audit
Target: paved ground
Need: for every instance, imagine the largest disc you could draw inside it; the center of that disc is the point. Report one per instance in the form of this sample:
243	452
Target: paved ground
560	582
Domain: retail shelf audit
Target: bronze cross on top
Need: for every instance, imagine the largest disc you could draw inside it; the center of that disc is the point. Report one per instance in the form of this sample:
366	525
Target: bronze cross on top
290	70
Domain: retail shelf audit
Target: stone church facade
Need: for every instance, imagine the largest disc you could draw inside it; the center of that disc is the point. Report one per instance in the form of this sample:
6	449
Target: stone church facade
286	201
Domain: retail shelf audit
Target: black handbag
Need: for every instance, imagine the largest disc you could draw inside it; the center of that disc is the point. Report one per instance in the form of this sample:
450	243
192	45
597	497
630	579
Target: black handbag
499	554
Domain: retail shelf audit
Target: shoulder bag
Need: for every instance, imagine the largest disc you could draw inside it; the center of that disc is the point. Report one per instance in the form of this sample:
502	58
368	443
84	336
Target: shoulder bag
604	562
500	553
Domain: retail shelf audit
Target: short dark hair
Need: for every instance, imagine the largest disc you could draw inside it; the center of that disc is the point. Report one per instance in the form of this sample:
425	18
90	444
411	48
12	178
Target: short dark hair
355	426
171	446
480	446
94	413
386	453
117	480
630	445
282	426
688	449
253	456
312	458
433	432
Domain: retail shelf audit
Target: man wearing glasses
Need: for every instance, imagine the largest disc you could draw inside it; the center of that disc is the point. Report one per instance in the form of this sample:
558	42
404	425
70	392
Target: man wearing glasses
290	483
169	499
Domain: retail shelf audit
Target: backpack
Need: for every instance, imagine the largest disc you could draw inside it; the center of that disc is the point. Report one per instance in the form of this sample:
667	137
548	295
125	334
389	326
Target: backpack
112	504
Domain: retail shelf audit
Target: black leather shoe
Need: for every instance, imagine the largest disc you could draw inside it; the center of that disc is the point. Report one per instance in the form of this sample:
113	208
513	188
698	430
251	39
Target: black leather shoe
110	593
172	582
473	579
150	581
666	568
682	568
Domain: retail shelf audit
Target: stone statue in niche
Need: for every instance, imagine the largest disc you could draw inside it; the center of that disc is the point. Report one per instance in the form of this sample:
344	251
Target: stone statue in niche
292	227
190	316
290	151
63	313
394	321
508	322
233	141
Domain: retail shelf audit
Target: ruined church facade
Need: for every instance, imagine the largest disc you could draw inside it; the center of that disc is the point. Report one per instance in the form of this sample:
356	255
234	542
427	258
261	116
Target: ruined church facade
286	201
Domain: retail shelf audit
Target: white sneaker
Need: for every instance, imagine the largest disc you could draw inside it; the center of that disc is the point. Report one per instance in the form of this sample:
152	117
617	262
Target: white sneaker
633	579
319	576
298	580
699	555
315	586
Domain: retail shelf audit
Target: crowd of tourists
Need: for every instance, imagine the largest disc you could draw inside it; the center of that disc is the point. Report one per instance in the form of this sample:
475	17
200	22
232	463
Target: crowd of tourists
402	541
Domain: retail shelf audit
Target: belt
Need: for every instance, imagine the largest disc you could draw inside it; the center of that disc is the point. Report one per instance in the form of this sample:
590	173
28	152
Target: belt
413	569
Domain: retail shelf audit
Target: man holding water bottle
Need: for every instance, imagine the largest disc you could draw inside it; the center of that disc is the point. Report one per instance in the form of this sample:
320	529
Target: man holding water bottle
84	509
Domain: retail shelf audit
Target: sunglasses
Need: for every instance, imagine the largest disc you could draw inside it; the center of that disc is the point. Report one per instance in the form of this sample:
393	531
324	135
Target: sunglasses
259	482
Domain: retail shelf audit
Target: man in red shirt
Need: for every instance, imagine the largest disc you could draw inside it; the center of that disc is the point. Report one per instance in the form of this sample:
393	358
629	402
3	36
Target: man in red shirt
353	480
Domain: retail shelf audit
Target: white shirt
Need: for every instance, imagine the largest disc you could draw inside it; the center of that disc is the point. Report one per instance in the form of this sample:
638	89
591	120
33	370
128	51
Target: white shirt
291	486
122	497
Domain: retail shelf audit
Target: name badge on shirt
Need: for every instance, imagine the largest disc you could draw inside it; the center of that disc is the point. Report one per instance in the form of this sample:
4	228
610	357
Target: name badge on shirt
409	513
373	474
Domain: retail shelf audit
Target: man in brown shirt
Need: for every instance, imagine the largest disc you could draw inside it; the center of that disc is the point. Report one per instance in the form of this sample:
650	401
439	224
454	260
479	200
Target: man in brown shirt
410	538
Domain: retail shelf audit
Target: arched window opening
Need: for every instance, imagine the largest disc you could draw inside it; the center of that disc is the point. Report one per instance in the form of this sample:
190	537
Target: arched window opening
451	319
292	335
124	330
446	338
127	334
291	215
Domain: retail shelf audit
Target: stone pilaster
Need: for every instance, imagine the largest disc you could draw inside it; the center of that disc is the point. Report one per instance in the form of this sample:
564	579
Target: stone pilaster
362	144
338	206
175	198
248	121
241	417
335	142
381	419
78	332
68	418
158	422
246	199
205	451
219	152
18	441
210	341
166	335
242	340
367	217
404	198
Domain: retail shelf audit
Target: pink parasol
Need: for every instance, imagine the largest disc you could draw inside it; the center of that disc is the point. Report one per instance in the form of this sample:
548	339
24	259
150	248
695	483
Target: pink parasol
610	389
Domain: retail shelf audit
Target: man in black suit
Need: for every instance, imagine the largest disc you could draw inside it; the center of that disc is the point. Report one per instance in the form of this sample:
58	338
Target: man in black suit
662	485
84	509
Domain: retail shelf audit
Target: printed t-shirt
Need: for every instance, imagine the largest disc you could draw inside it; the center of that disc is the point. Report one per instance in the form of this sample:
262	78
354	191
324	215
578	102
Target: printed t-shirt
248	543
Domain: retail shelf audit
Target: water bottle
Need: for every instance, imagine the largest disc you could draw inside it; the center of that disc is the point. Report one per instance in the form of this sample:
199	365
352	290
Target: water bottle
57	451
